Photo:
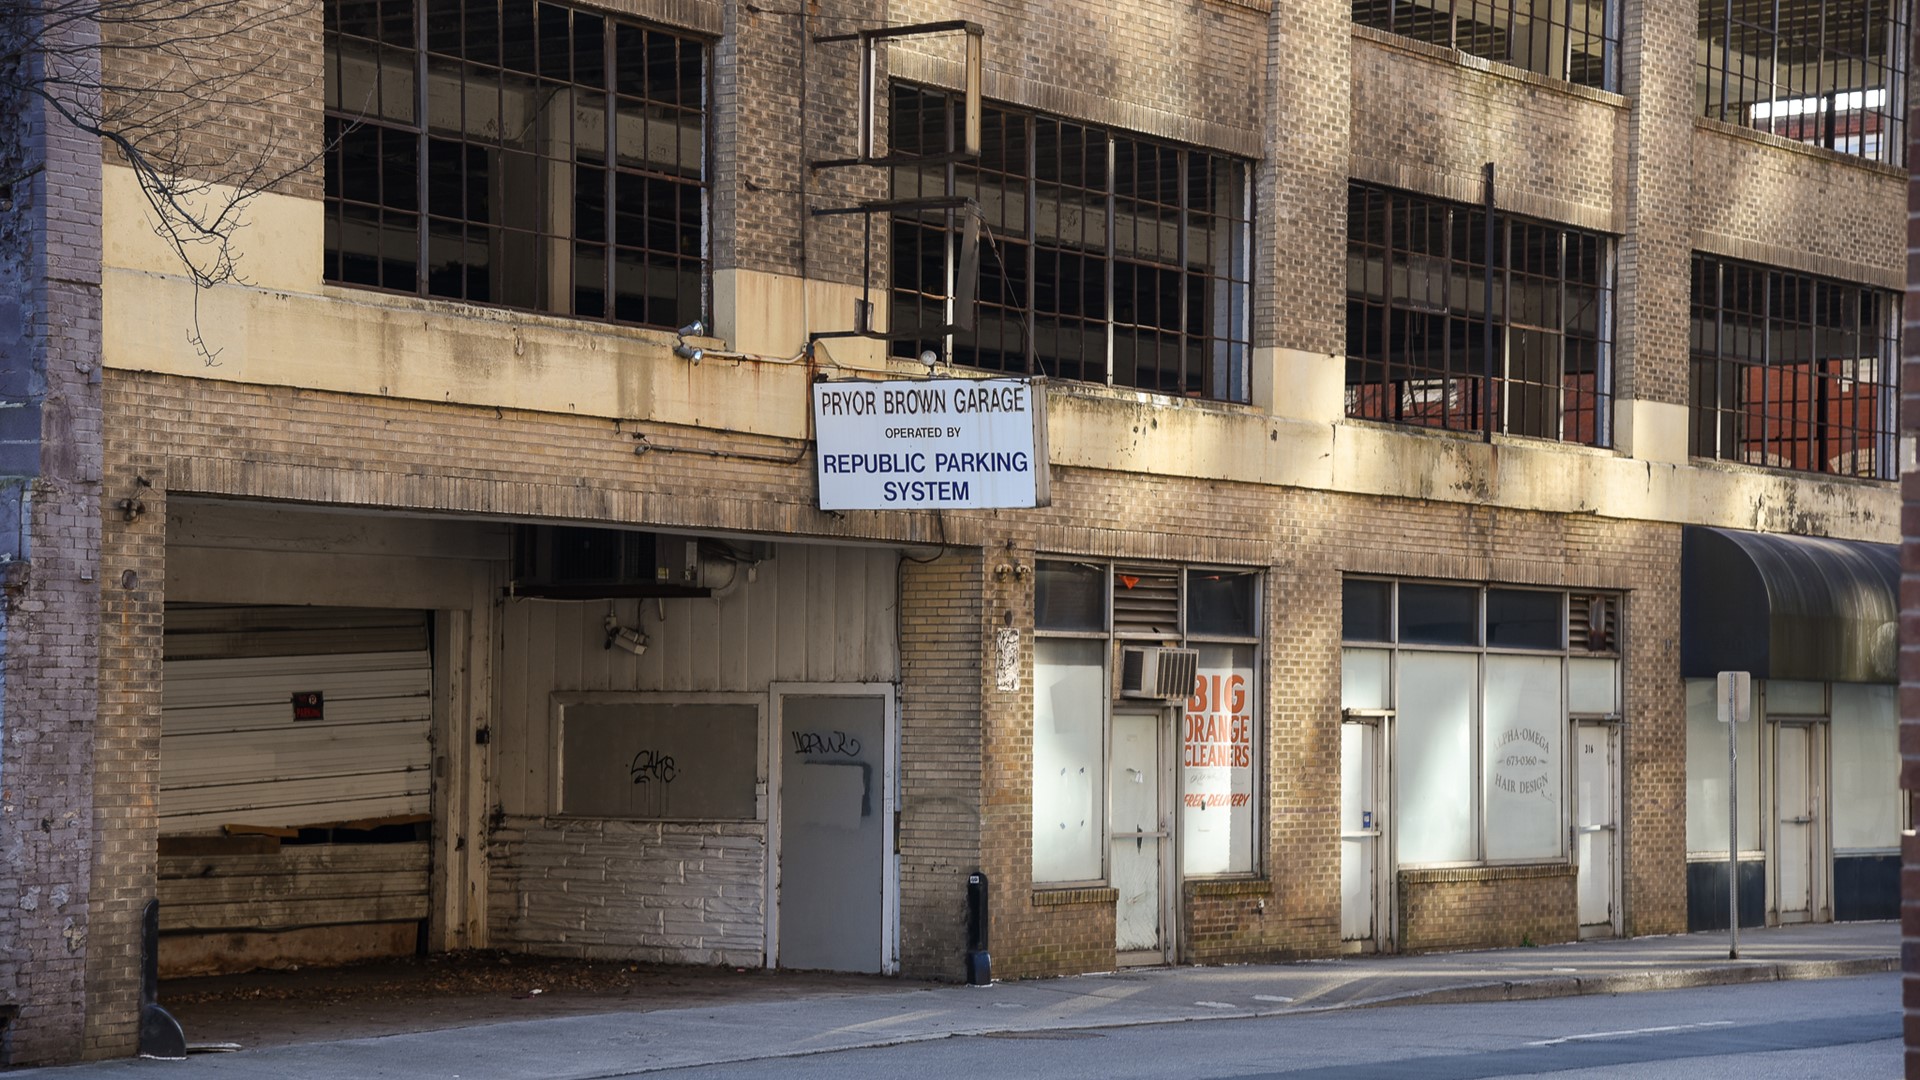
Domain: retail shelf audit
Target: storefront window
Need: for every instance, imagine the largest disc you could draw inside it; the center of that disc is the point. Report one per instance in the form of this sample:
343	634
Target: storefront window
1482	684
1433	756
1866	757
1524	757
1081	608
1707	774
1069	752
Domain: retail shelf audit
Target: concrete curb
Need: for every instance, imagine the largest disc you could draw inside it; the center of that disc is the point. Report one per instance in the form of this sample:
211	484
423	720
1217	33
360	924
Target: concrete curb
1521	989
1669	979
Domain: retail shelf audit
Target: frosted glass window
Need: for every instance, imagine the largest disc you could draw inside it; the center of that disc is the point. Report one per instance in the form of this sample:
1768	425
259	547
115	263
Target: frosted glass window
1363	679
1593	686
1433	756
1796	698
1216	764
1866	768
1069	751
1707	774
1525	729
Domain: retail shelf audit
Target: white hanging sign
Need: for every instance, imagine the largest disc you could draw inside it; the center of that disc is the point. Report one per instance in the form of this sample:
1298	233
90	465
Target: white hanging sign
931	444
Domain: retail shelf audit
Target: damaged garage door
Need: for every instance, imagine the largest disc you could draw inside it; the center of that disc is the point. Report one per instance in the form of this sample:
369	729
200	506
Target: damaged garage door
295	792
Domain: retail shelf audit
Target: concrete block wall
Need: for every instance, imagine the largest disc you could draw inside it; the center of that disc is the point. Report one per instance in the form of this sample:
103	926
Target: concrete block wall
661	892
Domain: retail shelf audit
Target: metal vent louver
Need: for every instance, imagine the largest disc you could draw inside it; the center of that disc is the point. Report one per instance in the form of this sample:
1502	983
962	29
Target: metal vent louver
1146	601
1160	673
1593	623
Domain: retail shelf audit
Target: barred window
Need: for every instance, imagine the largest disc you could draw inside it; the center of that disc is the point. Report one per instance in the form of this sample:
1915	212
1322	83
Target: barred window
1107	257
1417	274
1792	371
1575	40
517	153
1828	72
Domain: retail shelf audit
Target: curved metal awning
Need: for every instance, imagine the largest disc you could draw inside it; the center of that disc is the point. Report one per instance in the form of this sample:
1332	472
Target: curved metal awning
1788	607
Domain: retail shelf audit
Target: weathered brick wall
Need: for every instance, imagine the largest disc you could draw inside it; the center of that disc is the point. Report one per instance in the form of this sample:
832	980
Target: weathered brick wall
1779	203
660	892
126	742
1657	47
784	101
229	92
1910	598
1428	119
1300	194
1162	69
941	680
50	540
1490	907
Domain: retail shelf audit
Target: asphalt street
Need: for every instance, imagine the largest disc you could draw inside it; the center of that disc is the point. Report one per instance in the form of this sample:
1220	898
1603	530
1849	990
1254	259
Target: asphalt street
1833	1028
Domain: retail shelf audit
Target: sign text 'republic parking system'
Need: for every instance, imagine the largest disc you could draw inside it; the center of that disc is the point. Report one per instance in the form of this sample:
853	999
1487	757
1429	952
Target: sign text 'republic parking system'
931	444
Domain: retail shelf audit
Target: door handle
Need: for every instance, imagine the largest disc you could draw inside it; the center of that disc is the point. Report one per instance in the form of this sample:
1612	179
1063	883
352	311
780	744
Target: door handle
1796	821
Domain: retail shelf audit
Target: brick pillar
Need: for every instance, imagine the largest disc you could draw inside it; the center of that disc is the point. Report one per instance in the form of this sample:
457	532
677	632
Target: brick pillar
1910	595
1650	366
1301	182
941	680
126	743
49	552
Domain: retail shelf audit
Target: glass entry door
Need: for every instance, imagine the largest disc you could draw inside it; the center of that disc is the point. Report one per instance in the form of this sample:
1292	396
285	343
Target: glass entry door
1362	922
1140	820
1596	828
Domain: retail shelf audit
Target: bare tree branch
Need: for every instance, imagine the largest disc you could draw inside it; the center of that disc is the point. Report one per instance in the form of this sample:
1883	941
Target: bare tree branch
160	76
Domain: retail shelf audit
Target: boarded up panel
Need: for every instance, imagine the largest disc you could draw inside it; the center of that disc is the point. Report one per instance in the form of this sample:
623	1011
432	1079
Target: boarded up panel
232	751
308	885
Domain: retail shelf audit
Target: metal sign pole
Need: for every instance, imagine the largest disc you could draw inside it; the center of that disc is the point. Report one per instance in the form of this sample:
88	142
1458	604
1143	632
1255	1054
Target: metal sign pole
1735	693
1733	829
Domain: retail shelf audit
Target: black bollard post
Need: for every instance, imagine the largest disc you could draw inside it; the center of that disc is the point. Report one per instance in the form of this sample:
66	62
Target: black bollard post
979	963
160	1034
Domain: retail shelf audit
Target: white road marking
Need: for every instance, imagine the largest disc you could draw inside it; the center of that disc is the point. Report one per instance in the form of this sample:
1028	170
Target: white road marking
1215	1005
1272	997
1631	1031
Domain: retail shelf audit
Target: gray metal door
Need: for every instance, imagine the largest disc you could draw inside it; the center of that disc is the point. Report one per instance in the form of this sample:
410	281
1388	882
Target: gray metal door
832	874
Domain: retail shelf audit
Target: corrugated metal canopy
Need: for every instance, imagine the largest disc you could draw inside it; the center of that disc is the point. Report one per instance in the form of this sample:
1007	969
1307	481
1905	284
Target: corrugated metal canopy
1788	607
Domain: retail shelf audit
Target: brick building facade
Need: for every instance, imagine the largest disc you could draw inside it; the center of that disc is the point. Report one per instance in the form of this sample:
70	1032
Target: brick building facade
301	640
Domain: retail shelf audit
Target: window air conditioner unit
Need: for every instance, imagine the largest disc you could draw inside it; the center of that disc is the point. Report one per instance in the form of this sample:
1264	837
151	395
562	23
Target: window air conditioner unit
1160	673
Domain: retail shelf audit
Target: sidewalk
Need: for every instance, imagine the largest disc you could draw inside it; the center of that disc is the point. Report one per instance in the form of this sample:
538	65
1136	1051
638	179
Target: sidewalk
616	1044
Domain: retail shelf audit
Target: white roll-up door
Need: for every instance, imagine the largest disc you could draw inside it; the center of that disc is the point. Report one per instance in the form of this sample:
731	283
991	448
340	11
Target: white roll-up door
293	717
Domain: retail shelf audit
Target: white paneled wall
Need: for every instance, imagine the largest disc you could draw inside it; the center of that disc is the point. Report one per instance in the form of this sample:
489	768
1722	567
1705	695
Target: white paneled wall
680	892
810	614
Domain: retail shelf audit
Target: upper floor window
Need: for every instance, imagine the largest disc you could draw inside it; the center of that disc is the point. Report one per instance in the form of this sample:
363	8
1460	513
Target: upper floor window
1578	41
517	153
1828	72
1417	282
1792	371
1109	258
